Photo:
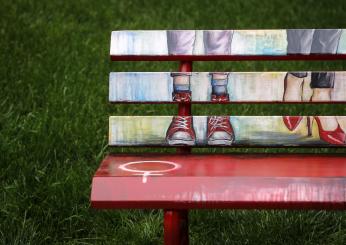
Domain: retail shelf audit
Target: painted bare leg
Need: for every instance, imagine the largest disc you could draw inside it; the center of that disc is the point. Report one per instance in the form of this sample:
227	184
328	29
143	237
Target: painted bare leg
293	91
298	42
293	88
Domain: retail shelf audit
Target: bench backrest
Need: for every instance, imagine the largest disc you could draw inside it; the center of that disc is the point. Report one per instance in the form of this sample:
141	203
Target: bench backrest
237	87
206	45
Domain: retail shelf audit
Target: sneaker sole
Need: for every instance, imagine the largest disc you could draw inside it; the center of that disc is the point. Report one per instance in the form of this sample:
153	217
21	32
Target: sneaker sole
181	142
220	142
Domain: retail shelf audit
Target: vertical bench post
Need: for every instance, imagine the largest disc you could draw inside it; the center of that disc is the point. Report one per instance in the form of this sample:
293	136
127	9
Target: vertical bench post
176	226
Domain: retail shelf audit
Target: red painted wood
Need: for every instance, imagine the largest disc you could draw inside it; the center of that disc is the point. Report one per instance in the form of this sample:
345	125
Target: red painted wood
218	193
260	165
176	227
226	57
221	181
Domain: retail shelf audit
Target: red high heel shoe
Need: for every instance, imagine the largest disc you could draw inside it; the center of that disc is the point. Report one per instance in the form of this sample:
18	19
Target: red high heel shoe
292	122
335	137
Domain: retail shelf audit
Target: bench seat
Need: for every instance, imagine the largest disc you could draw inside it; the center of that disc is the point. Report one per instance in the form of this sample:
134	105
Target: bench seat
197	181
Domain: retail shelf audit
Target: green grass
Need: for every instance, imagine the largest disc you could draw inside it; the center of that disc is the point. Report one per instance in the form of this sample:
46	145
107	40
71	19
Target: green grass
54	69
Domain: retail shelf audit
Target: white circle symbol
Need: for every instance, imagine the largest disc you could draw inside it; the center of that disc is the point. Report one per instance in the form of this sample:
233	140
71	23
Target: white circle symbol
146	173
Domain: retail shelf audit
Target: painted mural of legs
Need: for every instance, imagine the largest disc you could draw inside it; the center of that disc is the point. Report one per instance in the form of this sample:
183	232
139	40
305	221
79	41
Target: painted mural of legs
329	129
219	128
322	84
181	43
180	131
293	91
316	42
299	41
218	43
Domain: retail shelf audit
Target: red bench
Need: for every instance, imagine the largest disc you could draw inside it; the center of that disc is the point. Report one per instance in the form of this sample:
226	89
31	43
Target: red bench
182	181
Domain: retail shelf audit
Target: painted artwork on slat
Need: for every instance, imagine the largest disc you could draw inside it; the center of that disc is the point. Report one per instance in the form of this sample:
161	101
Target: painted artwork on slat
227	87
228	42
227	130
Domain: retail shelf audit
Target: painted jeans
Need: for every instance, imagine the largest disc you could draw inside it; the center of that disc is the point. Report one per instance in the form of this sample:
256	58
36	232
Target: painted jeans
314	41
215	42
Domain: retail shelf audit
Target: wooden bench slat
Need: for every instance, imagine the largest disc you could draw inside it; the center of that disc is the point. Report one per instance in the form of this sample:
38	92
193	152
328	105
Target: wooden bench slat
242	87
220	181
258	131
206	45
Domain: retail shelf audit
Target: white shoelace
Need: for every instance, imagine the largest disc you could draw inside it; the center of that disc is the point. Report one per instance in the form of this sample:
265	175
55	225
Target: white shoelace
217	122
181	122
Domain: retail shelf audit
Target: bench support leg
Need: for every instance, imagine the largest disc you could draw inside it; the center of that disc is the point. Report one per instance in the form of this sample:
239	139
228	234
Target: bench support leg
176	230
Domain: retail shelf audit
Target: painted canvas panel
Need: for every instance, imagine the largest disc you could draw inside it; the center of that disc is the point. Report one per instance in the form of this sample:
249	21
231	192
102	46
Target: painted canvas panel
227	87
227	130
228	42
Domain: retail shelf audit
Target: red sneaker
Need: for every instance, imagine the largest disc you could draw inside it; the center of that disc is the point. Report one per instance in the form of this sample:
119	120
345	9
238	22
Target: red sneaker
181	132
182	96
219	98
220	131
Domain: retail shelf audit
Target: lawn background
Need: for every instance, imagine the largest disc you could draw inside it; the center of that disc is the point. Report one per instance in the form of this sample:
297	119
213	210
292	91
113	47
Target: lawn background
53	118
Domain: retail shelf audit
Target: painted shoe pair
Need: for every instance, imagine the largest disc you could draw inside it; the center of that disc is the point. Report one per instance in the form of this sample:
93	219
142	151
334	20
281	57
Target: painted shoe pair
219	130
